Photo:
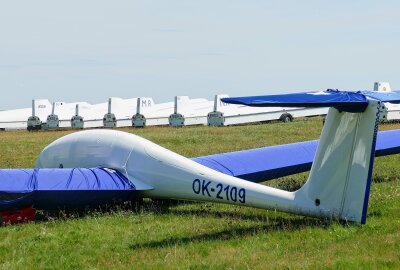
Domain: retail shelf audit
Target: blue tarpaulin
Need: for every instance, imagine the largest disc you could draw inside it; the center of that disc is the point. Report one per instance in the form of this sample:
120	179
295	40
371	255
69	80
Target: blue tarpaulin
261	164
62	188
392	97
342	100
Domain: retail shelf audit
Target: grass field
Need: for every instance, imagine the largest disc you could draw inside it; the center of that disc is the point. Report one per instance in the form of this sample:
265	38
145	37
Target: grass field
189	235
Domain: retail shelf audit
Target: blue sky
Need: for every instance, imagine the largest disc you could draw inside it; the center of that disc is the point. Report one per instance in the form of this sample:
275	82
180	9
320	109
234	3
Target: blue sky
91	50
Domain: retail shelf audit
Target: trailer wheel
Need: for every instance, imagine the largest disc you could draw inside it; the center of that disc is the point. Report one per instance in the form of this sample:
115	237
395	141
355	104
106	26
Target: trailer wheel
286	118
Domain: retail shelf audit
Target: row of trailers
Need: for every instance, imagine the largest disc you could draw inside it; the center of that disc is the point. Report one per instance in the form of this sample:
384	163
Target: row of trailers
142	112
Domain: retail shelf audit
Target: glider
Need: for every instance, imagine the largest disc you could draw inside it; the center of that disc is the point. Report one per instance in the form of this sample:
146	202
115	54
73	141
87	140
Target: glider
97	167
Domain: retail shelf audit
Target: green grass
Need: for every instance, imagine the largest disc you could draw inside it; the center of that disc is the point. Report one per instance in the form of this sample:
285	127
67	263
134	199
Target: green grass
189	235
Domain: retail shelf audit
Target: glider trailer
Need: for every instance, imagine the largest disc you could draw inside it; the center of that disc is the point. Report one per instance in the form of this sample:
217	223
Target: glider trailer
125	165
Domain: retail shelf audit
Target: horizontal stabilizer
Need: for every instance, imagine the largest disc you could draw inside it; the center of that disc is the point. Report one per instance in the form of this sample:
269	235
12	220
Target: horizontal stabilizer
261	164
392	97
75	188
341	100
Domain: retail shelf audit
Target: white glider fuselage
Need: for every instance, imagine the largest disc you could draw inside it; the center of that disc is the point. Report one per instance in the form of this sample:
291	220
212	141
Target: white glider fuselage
161	173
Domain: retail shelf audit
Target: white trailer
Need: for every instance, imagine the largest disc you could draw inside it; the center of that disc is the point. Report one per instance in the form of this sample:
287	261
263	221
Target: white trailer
225	114
70	114
392	111
109	119
52	121
120	111
143	104
189	112
34	122
148	113
182	112
77	121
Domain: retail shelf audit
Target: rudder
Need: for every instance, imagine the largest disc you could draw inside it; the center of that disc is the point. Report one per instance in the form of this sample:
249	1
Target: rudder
341	174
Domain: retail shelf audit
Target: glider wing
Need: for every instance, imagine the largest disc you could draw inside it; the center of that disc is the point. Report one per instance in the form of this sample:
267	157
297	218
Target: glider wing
63	188
262	164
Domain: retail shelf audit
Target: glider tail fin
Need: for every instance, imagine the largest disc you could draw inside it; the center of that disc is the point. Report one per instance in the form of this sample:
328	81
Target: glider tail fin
340	177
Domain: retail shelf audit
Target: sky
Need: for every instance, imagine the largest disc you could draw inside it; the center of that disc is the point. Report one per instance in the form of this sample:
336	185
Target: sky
93	49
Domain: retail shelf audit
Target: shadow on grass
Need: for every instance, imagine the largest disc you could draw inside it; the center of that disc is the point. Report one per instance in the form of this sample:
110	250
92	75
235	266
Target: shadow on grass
385	179
167	207
140	206
131	207
275	224
267	224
